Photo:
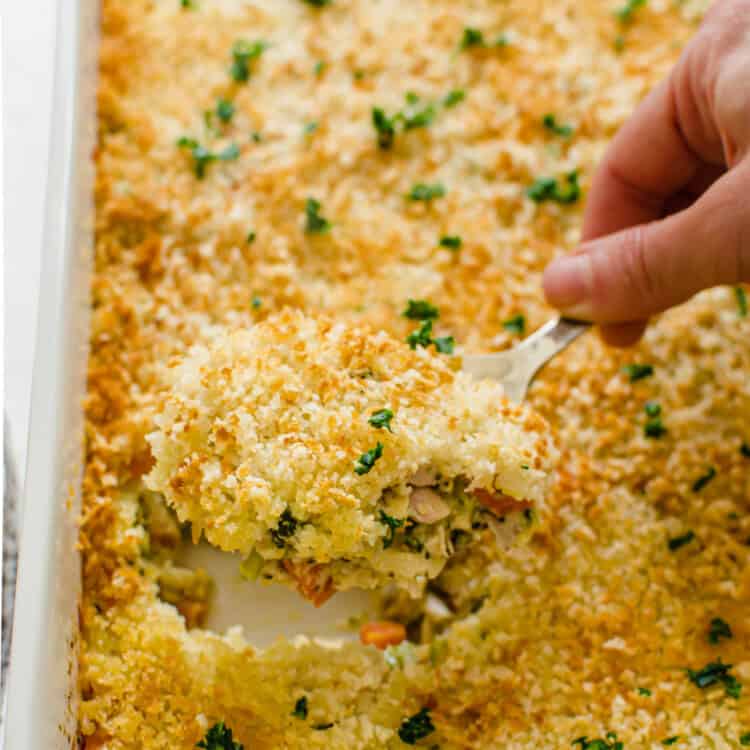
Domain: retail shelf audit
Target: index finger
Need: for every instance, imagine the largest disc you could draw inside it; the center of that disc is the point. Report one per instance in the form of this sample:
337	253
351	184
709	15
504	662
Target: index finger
648	161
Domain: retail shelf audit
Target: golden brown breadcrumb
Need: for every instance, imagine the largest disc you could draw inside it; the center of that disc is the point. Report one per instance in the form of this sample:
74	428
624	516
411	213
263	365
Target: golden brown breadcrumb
589	628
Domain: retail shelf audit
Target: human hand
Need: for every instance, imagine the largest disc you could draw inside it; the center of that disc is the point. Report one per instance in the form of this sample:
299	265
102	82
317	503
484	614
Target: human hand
669	206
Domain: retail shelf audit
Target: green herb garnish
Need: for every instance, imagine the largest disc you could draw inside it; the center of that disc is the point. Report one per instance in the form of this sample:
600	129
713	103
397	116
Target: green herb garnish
202	157
652	408
741	296
310	127
644	691
719	629
609	743
219	737
422	336
318	4
385	127
420	309
224	110
745	739
704	479
472	38
367	460
548	189
745	450
314	222
250	237
680	541
319	67
321	727
300	708
553	126
452	98
515	324
654	428
381	419
243	54
285	528
256	302
392	524
638	372
716	673
416	727
625	13
451	241
422	191
444	344
670	740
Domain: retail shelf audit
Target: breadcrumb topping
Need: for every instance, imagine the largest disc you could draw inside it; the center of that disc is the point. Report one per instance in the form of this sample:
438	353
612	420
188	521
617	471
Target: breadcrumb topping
589	628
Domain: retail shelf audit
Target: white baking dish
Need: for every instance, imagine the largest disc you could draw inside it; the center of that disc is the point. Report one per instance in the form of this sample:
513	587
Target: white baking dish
42	681
42	687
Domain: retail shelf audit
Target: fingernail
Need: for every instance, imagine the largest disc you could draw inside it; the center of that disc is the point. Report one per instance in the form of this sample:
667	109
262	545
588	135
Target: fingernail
567	285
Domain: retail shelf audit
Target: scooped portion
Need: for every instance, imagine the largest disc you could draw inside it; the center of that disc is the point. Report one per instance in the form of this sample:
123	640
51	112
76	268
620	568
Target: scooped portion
332	456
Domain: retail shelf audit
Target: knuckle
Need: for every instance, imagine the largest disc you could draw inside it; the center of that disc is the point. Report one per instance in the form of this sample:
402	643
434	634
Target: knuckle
638	273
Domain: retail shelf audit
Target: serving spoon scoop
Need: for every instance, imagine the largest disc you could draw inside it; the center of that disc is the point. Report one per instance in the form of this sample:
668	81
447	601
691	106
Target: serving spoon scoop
516	367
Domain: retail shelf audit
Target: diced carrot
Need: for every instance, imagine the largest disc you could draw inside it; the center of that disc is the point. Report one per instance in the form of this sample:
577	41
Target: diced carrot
382	634
500	503
312	581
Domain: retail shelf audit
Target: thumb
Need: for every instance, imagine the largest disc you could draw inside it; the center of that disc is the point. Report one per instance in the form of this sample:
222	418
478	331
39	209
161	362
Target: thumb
631	274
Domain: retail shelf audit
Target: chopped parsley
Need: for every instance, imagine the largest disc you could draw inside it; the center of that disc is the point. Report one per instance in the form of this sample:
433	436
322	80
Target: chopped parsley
219	737
680	541
454	97
318	4
644	691
310	127
610	742
716	673
256	137
444	344
381	419
300	708
416	727
638	372
704	479
745	739
314	222
515	324
385	127
285	528
392	524
202	157
741	296
243	54
654	428
421	309
256	302
451	241
224	110
652	408
367	460
250	237
472	38
549	189
745	450
319	67
422	336
322	727
670	740
549	121
625	13
719	629
413	115
190	4
422	191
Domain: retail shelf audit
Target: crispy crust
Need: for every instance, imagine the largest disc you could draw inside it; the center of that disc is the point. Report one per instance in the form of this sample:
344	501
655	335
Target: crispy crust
552	640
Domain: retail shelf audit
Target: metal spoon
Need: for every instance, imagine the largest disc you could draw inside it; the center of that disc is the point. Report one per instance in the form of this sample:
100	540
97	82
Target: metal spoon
516	367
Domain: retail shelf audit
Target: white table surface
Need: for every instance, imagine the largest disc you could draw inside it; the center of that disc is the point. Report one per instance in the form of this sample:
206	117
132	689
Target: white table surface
28	48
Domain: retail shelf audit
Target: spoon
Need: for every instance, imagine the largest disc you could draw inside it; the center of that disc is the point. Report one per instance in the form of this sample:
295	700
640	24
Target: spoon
516	367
